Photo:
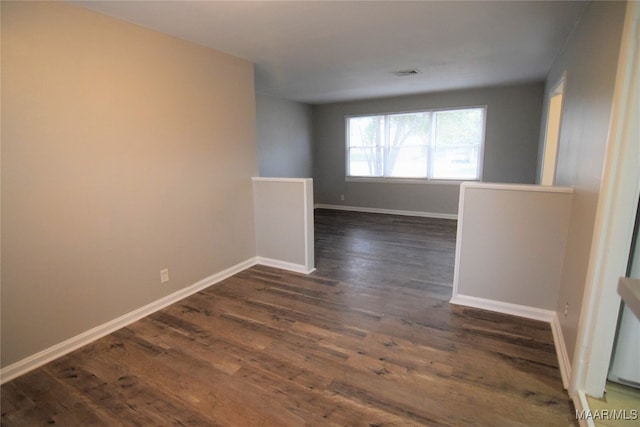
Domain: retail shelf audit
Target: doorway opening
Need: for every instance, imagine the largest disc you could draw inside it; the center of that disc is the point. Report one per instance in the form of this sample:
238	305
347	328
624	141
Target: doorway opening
552	133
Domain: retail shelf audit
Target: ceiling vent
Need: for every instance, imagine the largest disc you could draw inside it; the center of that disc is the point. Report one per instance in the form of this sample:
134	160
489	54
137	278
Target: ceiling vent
405	73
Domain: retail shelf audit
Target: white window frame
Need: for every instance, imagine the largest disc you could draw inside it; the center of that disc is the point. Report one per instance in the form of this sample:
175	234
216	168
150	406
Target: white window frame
430	148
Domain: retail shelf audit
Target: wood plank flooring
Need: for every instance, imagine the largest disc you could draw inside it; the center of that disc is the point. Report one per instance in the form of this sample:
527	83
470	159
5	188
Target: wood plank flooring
369	339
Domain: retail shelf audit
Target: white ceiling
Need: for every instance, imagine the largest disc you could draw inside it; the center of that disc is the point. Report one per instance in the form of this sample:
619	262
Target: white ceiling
325	51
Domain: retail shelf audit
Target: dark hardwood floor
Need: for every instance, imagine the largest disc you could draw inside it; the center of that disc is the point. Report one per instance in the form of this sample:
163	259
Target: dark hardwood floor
369	339
385	249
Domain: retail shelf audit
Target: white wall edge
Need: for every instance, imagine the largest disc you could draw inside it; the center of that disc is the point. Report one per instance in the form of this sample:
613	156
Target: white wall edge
581	404
267	179
34	361
390	180
388	211
516	187
459	234
296	268
561	351
533	313
309	231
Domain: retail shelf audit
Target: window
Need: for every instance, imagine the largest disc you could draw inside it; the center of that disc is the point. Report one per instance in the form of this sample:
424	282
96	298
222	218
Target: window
443	144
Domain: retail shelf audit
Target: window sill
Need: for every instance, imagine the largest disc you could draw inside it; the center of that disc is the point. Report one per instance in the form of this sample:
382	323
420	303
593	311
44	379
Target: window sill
408	180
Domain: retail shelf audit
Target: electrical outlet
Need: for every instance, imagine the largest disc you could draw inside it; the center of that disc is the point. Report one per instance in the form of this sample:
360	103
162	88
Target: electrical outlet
164	275
566	309
342	197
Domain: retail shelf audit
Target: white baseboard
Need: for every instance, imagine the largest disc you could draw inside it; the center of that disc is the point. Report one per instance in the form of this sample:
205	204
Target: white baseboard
581	404
530	313
36	360
561	350
504	307
43	357
387	211
297	268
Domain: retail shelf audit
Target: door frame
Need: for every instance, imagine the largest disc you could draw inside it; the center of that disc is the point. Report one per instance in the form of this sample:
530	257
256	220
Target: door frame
558	89
615	219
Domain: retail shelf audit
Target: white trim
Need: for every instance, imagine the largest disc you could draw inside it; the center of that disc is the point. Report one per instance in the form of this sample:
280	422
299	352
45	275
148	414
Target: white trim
459	234
582	404
309	232
284	265
417	110
45	356
387	211
614	221
392	180
515	187
269	179
503	307
558	89
58	350
533	313
561	350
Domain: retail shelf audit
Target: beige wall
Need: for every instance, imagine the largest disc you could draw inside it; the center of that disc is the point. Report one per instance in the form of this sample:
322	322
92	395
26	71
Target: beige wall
590	60
511	242
124	152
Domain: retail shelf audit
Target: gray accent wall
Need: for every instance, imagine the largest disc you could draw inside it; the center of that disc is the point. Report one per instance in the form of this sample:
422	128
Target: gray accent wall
590	60
510	153
283	136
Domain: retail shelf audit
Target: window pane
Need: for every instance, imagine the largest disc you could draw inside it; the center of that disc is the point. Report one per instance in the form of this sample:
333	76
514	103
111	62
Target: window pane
366	131
408	129
365	161
407	162
458	138
456	162
366	136
445	144
408	139
459	127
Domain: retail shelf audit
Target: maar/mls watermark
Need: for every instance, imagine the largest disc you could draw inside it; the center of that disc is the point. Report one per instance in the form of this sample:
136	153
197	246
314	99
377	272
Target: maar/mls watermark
607	414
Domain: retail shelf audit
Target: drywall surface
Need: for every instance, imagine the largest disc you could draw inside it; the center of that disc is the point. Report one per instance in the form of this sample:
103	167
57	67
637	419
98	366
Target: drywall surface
124	152
284	222
590	60
510	153
284	135
511	242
